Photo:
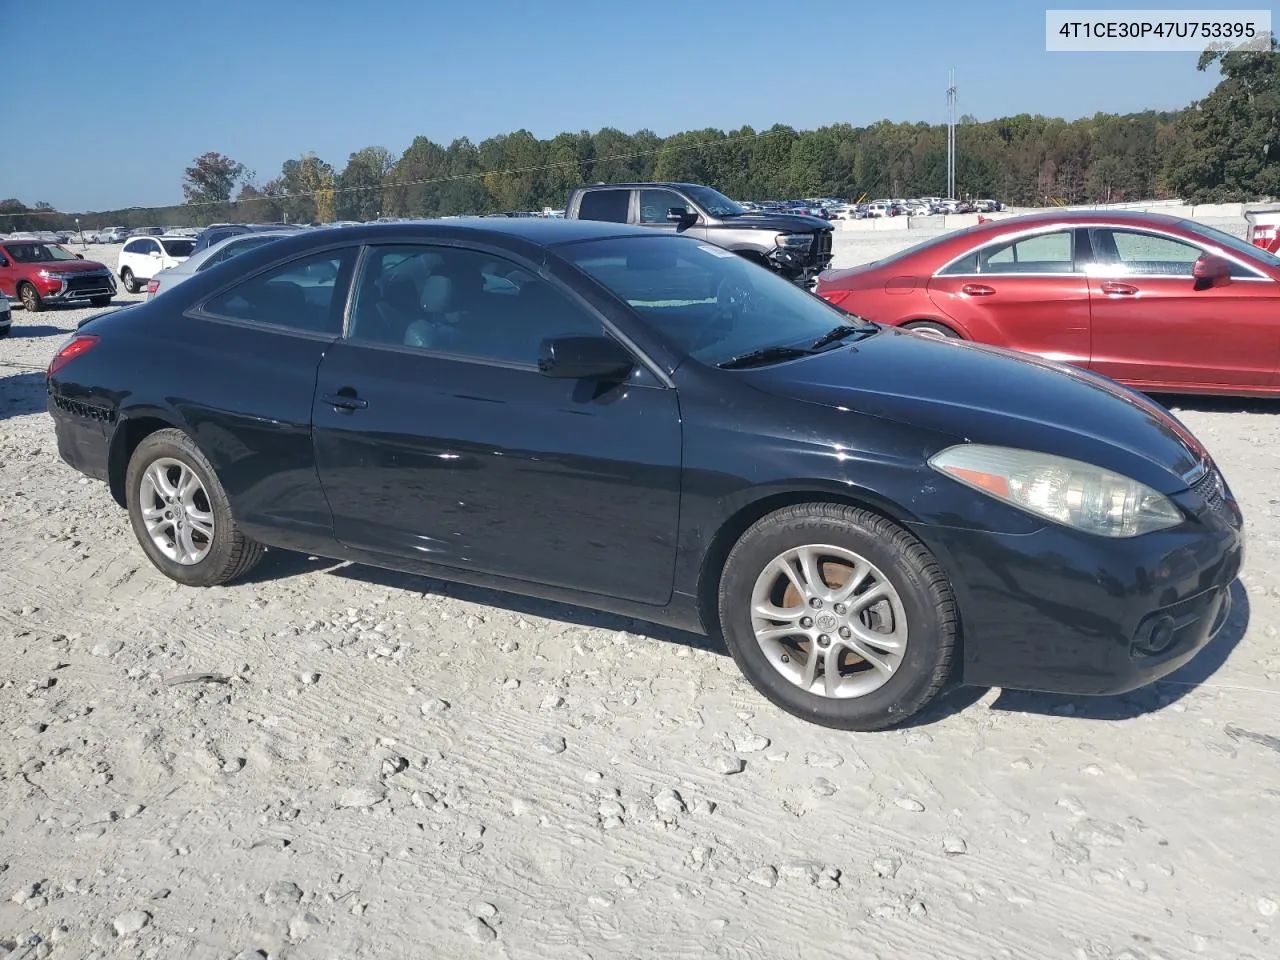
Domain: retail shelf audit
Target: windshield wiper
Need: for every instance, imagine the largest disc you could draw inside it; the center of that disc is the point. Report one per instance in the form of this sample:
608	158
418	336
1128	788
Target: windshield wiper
842	332
765	355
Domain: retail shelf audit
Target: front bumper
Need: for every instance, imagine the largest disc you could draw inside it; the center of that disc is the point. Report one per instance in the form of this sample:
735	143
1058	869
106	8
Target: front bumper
803	266
1062	612
78	287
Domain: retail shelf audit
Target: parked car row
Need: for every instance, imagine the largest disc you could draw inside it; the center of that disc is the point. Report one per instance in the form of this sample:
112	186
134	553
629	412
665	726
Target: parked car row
859	511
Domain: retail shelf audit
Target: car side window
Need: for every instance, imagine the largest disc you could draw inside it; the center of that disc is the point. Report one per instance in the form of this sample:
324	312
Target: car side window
131	246
607	205
1043	253
461	302
307	294
1139	254
654	205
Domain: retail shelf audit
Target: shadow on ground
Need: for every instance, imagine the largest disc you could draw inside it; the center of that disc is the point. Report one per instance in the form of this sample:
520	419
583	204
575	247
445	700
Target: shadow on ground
22	394
31	331
280	564
955	698
1200	404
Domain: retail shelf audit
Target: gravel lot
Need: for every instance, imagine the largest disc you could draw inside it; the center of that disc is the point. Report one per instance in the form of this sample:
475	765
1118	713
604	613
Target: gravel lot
386	766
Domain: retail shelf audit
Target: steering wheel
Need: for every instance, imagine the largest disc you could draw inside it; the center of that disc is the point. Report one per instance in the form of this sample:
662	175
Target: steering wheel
733	296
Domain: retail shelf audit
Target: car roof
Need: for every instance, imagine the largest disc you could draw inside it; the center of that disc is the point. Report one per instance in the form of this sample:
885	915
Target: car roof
541	231
634	186
1088	216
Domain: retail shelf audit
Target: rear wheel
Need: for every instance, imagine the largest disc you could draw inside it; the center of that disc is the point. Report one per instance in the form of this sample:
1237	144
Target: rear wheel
30	298
129	280
838	616
181	515
100	301
931	329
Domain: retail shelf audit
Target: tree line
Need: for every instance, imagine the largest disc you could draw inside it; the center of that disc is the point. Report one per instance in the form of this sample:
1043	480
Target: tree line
1225	147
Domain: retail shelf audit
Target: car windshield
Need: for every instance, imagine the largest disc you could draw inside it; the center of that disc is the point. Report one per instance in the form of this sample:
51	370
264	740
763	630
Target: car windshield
38	252
1231	242
715	202
707	302
178	248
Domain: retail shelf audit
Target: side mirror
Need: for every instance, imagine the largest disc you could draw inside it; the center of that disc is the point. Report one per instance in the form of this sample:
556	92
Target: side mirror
681	215
4	261
155	253
1211	268
581	358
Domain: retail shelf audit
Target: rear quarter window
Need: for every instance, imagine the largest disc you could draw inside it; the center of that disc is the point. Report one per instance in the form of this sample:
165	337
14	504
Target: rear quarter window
610	206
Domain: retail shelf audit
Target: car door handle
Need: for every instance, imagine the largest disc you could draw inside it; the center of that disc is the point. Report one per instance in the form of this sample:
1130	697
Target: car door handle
345	399
1118	289
977	290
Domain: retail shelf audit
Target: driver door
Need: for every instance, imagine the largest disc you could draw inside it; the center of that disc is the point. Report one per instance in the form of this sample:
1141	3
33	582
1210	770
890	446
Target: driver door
1155	327
651	211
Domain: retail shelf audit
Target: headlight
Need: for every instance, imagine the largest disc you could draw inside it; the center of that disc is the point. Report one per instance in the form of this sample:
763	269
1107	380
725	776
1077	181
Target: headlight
1068	492
793	241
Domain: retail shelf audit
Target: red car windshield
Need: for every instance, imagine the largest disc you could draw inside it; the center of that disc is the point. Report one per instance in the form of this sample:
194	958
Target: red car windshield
38	252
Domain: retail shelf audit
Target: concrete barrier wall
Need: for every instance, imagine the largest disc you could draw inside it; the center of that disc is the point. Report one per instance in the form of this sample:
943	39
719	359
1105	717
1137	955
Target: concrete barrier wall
956	221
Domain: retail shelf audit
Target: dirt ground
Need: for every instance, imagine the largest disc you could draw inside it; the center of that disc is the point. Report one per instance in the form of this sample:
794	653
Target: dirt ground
336	761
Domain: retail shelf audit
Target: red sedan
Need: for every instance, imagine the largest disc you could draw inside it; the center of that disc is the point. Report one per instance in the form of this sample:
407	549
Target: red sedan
1159	303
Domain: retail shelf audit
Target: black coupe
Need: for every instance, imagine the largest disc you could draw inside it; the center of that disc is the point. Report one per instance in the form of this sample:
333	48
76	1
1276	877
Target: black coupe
651	425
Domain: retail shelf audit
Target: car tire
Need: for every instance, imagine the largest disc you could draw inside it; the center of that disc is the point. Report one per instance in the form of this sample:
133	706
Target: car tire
5	331
894	580
30	298
129	280
931	329
100	301
181	515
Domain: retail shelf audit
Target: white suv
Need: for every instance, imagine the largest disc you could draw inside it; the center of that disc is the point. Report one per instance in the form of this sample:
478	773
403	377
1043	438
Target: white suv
141	258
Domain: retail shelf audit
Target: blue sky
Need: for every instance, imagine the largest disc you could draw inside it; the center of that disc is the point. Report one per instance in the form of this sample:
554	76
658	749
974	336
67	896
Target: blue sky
101	116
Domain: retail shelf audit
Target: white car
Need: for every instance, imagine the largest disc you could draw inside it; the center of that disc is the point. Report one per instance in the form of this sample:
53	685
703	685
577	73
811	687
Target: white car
141	258
6	316
213	255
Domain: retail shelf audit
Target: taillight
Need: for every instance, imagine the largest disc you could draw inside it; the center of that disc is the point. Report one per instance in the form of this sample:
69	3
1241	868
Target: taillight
152	287
73	348
834	297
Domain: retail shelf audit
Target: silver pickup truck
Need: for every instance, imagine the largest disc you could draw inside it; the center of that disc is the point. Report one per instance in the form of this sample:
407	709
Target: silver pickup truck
797	246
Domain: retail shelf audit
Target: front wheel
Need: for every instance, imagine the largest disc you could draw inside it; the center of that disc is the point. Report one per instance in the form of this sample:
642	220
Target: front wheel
838	616
31	301
181	515
129	280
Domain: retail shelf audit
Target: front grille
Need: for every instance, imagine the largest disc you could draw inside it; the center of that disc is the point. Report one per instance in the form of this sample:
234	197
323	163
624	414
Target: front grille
89	283
820	250
1209	488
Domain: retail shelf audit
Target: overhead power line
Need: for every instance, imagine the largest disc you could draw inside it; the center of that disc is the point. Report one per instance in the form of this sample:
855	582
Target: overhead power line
478	175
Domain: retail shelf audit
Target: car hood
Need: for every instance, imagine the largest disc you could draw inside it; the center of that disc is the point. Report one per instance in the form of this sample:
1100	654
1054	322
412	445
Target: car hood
983	394
68	266
777	221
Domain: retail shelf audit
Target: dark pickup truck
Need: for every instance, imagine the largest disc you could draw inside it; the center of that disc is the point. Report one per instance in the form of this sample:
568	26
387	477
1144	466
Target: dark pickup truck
797	246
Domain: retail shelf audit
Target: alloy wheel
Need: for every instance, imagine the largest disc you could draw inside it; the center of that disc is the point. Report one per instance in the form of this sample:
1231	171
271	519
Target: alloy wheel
176	510
829	621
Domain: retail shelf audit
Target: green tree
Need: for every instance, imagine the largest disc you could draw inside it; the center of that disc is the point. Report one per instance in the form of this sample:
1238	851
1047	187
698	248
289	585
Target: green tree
211	178
358	189
1231	139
